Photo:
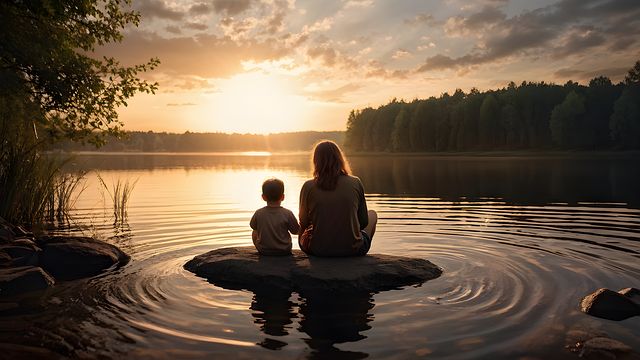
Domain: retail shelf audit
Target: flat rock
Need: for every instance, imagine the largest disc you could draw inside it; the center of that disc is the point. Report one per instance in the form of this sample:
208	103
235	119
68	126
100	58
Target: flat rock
245	268
69	258
16	351
17	280
611	305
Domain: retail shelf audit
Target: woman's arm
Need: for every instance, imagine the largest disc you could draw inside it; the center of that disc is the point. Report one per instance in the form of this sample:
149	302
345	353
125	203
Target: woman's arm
304	211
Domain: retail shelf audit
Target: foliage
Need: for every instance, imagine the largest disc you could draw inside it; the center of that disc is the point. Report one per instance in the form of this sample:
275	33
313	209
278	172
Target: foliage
529	116
564	118
633	75
43	56
51	89
625	120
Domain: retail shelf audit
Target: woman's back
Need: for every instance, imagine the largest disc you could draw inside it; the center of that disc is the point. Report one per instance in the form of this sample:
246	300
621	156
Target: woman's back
337	216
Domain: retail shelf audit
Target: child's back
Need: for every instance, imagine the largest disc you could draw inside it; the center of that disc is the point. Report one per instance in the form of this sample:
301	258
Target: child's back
272	224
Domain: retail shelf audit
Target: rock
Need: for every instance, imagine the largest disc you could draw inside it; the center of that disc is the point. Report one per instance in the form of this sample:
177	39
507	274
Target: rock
245	268
6	232
631	293
20	231
23	252
608	304
16	351
22	279
5	259
69	258
604	348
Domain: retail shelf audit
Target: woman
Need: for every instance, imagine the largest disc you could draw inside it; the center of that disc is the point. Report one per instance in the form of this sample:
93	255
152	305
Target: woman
334	220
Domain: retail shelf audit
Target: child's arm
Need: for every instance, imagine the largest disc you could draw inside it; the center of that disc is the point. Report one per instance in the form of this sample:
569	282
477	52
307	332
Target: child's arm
294	227
254	237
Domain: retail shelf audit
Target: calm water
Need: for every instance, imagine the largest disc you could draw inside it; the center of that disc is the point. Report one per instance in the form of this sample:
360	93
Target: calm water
521	240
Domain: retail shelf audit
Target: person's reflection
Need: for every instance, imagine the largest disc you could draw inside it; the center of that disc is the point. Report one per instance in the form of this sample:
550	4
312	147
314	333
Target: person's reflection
332	317
273	311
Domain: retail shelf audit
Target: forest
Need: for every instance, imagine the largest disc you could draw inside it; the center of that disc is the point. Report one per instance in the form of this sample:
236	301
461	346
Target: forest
600	116
208	142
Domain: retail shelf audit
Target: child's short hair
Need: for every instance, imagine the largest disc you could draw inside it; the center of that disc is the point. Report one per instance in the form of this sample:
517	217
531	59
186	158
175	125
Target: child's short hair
272	189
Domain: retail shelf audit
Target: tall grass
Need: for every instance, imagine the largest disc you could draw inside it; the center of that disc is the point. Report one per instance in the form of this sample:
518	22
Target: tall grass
65	194
33	188
120	193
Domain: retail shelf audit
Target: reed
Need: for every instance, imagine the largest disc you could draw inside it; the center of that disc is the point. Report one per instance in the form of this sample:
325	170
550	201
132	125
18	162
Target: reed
65	194
120	193
34	189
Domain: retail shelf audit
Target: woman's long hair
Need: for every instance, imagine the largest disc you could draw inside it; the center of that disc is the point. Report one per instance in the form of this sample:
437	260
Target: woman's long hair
328	164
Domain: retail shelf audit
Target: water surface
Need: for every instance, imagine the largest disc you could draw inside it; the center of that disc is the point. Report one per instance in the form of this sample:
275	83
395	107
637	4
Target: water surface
521	240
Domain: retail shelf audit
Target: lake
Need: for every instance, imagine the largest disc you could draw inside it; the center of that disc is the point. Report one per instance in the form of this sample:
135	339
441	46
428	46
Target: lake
521	240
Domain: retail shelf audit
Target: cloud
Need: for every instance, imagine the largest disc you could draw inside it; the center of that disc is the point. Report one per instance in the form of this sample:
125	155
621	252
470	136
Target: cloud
330	58
232	7
274	23
158	9
200	8
401	54
203	56
238	29
335	95
576	43
323	25
585	76
471	4
358	3
459	26
173	29
419	20
184	104
569	27
327	55
196	26
622	45
365	51
191	83
375	69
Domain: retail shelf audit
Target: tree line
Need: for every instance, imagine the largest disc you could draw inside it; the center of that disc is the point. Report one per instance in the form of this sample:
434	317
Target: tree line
600	116
208	142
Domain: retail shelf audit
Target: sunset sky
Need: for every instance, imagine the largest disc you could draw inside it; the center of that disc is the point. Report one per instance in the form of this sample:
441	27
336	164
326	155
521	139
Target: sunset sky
261	66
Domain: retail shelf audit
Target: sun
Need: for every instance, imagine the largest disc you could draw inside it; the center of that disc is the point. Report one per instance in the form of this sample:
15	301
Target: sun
255	102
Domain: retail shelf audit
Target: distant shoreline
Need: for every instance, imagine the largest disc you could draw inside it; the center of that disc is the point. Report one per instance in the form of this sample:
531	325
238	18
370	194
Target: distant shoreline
473	154
504	154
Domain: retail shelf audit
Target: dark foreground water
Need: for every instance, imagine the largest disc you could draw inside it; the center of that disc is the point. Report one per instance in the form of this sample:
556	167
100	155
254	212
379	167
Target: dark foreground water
521	241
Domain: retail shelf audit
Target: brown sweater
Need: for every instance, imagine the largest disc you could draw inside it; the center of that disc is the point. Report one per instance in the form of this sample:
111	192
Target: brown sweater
337	216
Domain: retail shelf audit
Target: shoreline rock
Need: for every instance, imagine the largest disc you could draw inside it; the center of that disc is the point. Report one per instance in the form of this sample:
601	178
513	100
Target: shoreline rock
28	263
611	305
70	258
244	268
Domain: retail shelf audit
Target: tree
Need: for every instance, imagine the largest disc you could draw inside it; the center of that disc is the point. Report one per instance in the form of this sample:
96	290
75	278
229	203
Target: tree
489	123
563	118
633	75
400	133
510	120
44	47
625	121
51	89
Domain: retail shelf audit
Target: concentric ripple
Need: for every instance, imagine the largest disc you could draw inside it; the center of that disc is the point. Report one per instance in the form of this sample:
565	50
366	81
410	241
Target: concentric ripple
514	275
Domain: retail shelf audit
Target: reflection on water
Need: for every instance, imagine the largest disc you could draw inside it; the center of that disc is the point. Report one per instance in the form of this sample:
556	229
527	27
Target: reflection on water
521	241
326	317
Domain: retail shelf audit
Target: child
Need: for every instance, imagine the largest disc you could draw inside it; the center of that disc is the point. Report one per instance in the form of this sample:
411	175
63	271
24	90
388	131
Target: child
271	224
